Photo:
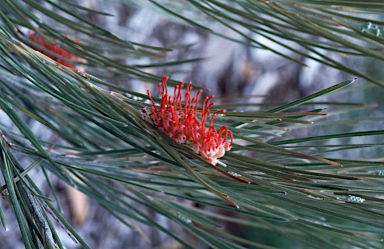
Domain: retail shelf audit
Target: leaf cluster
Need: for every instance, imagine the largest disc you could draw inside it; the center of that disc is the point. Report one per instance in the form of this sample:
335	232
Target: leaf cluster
271	180
323	31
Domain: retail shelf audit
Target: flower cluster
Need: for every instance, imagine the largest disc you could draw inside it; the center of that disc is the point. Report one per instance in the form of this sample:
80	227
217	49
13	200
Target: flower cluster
56	52
180	121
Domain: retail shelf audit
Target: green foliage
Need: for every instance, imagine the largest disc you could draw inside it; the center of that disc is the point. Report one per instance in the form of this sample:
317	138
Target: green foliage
324	31
274	179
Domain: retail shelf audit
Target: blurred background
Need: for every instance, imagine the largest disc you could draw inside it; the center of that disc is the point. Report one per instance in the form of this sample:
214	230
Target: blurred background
231	71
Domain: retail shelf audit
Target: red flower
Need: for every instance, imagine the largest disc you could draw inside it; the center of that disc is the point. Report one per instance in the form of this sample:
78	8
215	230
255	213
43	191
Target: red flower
180	121
57	53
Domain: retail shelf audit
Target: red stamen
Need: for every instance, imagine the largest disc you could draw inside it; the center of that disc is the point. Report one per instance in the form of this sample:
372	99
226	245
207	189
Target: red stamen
182	125
56	52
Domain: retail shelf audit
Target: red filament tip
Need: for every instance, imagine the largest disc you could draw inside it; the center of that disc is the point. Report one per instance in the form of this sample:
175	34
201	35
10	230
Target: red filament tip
55	52
180	122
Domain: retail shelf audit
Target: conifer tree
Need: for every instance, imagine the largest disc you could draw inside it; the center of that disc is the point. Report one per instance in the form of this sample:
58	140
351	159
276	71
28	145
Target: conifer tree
201	161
